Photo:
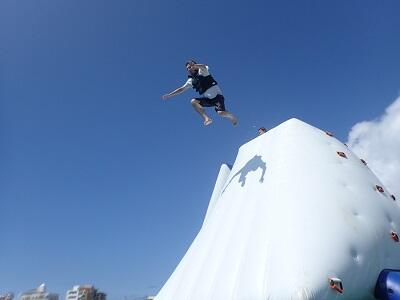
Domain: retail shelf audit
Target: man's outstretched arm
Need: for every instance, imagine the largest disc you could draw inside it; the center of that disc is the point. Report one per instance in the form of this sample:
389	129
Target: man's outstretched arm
177	91
174	93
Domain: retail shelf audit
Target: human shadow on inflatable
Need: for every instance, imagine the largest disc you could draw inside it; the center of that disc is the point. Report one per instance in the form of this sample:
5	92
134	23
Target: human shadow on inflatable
252	165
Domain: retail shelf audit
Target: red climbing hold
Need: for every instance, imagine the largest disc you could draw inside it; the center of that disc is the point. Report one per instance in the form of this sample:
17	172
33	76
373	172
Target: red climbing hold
336	284
395	237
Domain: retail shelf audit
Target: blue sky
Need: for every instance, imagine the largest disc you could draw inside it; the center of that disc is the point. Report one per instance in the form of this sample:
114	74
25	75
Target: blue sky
103	182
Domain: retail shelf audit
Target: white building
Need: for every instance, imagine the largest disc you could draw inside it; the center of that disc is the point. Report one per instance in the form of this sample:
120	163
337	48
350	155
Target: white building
39	293
85	292
73	294
7	296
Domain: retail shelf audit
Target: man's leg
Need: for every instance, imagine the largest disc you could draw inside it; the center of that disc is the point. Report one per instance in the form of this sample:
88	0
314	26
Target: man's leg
230	116
220	109
196	105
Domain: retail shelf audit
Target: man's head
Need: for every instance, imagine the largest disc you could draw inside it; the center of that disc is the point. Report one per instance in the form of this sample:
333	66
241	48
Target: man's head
189	66
262	130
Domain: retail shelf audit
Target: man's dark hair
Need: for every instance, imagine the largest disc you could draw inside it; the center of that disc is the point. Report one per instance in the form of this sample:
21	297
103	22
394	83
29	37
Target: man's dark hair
189	61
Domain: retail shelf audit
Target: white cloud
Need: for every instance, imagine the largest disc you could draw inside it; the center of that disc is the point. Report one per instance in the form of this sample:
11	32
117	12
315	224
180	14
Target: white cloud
378	143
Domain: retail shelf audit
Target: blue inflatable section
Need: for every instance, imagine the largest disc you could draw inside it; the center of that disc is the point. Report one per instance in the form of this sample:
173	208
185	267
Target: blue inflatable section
388	285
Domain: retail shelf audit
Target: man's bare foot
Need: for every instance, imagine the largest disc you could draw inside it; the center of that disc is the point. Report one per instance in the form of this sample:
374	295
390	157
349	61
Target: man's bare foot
207	122
234	121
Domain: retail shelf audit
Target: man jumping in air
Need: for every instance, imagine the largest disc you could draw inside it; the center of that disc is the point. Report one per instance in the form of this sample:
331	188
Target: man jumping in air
210	93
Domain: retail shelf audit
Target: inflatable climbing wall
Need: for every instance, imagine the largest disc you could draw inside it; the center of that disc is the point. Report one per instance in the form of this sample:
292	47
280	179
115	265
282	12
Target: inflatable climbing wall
297	216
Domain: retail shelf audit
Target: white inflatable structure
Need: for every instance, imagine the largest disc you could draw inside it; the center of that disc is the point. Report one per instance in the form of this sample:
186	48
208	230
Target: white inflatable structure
298	216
